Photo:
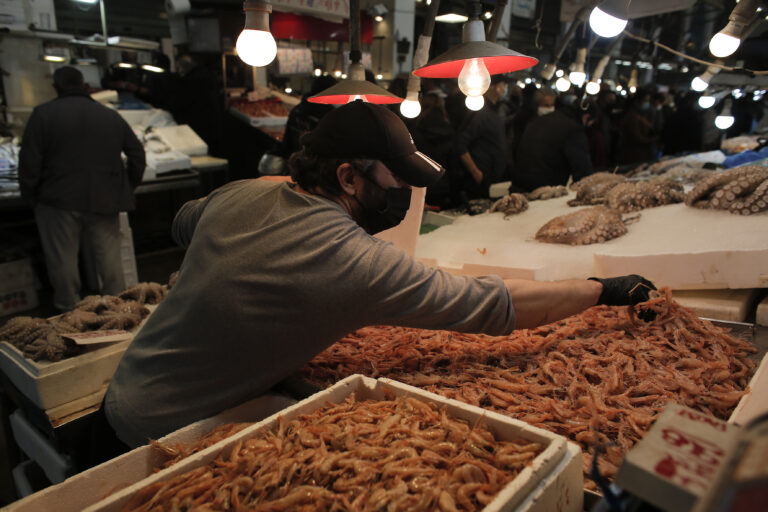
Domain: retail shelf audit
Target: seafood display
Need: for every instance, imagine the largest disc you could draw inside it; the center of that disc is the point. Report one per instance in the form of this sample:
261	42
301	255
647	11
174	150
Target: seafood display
547	192
40	338
510	204
742	190
398	454
600	378
145	293
592	189
588	226
633	196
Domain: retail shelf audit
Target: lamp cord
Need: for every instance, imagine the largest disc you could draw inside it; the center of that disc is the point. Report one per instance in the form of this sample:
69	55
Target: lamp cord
694	59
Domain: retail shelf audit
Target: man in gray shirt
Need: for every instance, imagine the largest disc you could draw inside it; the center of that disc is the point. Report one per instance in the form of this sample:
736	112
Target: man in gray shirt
275	272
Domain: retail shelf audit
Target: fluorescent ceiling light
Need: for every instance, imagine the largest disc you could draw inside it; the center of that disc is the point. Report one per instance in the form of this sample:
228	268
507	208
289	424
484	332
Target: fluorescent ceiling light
54	58
451	18
154	69
126	65
133	42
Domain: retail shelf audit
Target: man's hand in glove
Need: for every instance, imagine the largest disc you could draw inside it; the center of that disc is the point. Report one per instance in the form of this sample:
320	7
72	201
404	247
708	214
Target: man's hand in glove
624	290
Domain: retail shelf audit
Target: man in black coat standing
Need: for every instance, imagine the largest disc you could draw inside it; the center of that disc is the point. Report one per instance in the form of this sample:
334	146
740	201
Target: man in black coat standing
554	146
71	171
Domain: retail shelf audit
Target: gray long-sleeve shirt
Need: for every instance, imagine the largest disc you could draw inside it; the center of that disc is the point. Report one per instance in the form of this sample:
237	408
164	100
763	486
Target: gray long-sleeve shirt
271	278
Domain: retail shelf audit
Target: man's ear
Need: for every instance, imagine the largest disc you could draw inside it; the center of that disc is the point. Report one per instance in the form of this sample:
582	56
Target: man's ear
348	178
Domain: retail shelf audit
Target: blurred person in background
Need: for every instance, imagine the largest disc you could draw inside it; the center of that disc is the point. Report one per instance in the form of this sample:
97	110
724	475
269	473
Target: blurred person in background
554	146
481	147
636	136
71	171
683	129
304	117
529	109
433	134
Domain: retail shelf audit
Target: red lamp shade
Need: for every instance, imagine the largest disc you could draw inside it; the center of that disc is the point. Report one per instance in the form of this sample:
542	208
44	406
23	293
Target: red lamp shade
497	59
347	90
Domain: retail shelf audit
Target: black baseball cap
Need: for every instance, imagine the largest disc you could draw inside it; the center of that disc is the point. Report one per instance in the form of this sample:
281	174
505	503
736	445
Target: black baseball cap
366	130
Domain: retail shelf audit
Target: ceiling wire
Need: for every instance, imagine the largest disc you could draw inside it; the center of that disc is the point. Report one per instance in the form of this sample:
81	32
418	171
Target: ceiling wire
694	59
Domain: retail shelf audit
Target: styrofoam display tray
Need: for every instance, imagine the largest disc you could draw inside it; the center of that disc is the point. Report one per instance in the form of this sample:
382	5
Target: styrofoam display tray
553	481
51	385
674	245
754	403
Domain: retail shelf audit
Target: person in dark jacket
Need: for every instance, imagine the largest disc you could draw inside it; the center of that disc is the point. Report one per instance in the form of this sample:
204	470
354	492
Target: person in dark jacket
481	145
554	146
71	171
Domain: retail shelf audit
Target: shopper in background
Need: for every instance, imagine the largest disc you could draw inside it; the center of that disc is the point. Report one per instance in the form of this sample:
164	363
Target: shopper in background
71	170
636	136
304	117
481	145
554	147
274	273
531	100
196	102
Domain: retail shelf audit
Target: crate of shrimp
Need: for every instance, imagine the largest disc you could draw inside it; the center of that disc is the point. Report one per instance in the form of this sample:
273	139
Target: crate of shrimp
366	444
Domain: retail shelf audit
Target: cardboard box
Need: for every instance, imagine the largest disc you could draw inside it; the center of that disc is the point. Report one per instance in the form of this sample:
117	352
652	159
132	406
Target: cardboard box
15	301
677	460
534	489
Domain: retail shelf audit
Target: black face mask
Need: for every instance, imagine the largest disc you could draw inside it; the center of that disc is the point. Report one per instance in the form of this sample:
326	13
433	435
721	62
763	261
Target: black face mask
378	219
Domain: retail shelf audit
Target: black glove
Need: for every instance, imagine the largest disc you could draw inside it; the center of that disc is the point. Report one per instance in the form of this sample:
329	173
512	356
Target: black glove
624	290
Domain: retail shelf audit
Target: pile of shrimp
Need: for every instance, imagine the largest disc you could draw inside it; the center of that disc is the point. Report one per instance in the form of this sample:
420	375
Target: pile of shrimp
600	378
173	453
398	453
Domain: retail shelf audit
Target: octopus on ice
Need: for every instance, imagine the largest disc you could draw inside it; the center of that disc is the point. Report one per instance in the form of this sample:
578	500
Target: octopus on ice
633	196
583	227
547	192
510	204
594	188
743	190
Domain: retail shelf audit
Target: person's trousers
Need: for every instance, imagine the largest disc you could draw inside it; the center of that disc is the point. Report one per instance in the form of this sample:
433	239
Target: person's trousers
61	232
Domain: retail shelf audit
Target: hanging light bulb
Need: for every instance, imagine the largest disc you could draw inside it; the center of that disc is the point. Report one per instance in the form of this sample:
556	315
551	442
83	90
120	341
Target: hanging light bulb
610	19
577	75
701	82
562	84
706	102
698	84
255	45
723	45
474	102
592	88
725	119
318	72
474	78
411	107
727	41
559	73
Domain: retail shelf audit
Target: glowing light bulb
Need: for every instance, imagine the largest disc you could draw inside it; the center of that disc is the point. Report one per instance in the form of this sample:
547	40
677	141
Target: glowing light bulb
474	78
337	73
318	71
593	88
288	90
474	102
633	89
699	85
604	24
577	78
724	122
562	84
343	76
723	45
379	76
559	73
706	102
256	47
410	108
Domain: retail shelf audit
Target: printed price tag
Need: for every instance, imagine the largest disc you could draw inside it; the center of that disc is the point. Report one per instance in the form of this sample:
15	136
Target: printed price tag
95	337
